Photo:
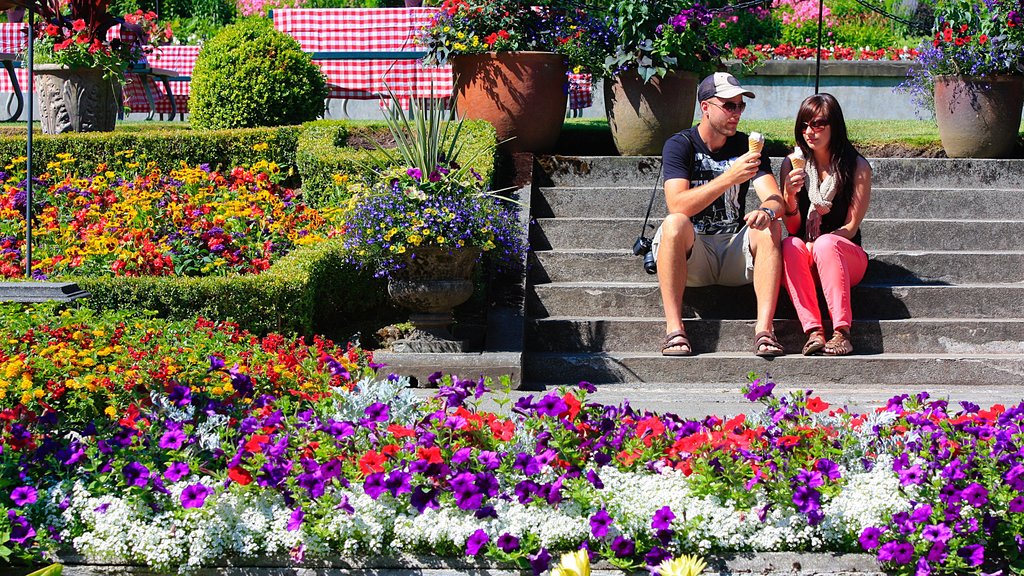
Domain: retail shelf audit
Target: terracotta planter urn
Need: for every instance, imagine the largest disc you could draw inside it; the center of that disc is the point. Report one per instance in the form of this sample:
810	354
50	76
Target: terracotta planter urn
523	94
431	283
978	117
75	99
642	116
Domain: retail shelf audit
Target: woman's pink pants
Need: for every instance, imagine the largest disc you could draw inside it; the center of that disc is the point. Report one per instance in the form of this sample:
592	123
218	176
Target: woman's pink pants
833	260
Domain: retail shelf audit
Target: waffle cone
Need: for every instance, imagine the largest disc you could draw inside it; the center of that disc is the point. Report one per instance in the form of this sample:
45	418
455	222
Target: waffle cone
798	163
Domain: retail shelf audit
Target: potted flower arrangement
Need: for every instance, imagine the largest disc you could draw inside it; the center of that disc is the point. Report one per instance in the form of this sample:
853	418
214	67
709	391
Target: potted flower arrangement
73	56
662	51
423	221
510	60
974	68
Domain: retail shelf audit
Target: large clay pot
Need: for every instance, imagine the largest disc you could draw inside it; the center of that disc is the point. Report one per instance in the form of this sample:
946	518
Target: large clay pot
978	117
523	94
432	282
642	116
75	99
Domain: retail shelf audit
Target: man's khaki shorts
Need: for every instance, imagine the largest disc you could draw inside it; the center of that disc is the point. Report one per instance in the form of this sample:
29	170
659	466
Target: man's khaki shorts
722	259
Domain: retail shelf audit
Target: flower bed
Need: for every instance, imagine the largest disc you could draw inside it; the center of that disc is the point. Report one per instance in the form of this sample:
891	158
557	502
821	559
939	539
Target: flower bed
128	219
198	443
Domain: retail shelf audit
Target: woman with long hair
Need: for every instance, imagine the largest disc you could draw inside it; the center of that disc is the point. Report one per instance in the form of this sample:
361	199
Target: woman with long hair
827	188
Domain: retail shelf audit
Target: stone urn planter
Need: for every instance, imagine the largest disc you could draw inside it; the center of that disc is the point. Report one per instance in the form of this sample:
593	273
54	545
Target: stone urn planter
643	115
978	117
432	282
75	99
523	94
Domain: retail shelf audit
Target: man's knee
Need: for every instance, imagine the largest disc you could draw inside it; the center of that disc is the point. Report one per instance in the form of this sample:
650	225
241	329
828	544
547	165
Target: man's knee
768	239
676	225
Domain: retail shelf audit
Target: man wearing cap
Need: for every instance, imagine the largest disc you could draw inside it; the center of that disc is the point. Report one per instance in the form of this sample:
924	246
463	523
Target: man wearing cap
706	238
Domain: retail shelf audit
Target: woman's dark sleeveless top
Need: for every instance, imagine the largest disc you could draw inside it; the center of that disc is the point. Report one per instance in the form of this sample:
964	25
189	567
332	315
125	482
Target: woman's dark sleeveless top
834	219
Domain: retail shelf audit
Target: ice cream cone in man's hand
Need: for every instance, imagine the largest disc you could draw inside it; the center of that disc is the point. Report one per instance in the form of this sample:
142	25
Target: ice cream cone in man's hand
755	142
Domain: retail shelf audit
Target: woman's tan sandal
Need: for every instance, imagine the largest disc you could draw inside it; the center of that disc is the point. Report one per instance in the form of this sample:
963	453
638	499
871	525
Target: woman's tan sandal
839	345
676	344
766	345
815	342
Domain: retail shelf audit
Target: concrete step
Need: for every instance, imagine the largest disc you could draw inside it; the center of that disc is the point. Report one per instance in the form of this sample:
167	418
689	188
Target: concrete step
936	335
811	371
630	202
890	234
638	171
884	266
881	301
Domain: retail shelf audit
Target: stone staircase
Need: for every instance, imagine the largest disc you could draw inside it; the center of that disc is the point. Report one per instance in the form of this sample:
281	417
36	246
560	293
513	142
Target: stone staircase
942	302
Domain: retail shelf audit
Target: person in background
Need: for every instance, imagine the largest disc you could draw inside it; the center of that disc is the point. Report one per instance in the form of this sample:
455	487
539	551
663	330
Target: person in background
827	189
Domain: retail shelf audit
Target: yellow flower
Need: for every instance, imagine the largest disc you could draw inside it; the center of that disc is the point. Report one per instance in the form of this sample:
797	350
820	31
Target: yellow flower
573	564
110	411
682	566
261	147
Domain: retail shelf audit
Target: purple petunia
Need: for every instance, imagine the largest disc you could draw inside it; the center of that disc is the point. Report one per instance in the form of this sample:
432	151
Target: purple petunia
973	554
539	561
21	530
295	520
24	495
377	412
912	475
663	518
135	474
194	495
508	543
373	486
1016	504
176	471
937	533
870	538
599	523
551	405
476	541
623	547
759	390
172	440
975	494
896	552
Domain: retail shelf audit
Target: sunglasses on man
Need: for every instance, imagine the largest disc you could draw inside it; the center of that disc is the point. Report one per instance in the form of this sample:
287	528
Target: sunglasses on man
731	107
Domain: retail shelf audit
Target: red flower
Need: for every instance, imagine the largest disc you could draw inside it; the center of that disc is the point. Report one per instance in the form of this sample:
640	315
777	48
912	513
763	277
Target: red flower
947	35
255	444
963	28
816	405
78	25
52	30
982	39
371	462
491	39
240	475
432	455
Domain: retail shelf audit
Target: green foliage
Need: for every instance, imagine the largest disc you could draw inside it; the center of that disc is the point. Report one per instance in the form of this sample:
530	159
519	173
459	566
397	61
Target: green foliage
252	75
168	147
325	150
871	30
309	291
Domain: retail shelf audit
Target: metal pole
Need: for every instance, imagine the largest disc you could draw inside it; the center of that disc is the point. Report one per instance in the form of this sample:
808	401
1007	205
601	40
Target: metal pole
817	53
28	153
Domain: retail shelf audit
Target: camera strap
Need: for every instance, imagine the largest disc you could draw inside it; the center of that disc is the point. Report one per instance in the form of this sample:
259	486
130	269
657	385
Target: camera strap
654	191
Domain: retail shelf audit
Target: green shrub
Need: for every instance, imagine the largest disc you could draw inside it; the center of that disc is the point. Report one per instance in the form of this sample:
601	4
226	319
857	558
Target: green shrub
252	75
167	146
312	290
325	150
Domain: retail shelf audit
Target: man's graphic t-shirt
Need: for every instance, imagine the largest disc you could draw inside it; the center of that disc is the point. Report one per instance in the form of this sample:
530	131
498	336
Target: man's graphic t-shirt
725	214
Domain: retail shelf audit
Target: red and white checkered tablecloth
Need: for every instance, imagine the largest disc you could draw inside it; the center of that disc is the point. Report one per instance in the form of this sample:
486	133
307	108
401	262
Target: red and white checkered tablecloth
178	58
370	30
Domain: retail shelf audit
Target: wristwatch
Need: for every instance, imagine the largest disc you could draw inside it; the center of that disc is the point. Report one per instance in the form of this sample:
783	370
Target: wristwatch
769	212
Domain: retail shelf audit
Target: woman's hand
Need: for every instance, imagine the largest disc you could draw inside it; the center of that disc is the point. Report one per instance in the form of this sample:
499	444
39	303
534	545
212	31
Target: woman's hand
795	181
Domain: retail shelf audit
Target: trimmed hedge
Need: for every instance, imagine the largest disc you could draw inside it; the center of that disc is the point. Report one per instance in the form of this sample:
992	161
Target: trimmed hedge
324	151
168	147
253	75
312	290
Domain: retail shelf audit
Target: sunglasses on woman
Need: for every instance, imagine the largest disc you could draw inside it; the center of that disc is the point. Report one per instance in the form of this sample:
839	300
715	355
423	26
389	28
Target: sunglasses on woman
816	125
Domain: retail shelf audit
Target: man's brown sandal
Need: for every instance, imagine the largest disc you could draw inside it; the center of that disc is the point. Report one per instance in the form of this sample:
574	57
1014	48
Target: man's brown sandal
839	345
672	343
815	342
766	345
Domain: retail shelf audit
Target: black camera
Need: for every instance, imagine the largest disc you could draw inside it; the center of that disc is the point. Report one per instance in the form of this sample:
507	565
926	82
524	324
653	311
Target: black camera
642	247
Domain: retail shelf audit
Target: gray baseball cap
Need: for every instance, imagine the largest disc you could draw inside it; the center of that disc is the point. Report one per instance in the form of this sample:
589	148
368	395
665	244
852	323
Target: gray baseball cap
722	85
